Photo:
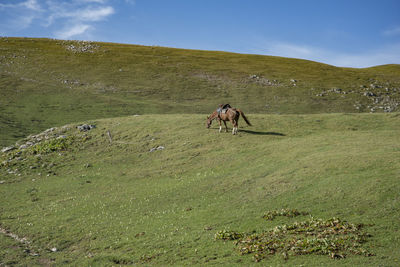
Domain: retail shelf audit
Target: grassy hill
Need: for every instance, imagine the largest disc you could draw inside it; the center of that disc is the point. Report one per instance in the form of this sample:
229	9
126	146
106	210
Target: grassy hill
83	198
46	83
158	188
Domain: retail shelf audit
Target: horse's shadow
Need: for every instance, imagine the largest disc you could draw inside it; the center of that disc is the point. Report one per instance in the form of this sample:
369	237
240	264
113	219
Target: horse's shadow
262	133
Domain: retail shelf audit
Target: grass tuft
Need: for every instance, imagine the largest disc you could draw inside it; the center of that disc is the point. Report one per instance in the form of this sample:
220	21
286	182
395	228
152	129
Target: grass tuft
228	235
270	215
52	145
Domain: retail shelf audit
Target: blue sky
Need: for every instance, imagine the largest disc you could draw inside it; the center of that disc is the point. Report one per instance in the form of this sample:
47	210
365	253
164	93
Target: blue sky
352	33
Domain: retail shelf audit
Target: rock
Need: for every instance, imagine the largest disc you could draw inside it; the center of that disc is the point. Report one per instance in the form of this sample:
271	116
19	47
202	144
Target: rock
388	109
24	146
293	80
6	149
85	127
369	94
53	249
157	148
49	130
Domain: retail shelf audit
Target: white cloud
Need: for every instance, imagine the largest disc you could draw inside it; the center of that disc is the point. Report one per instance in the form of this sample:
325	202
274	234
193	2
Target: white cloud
94	1
392	32
75	13
81	14
379	56
75	30
23	14
32	4
65	18
289	50
93	14
389	54
29	4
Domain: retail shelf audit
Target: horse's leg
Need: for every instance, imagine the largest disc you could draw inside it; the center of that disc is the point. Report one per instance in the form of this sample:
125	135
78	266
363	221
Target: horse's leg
237	122
220	126
226	127
236	128
234	125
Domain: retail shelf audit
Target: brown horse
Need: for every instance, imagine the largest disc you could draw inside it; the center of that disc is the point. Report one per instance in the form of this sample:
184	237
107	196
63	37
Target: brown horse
232	115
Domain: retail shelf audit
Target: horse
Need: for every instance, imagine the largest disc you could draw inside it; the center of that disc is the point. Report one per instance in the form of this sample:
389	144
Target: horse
231	114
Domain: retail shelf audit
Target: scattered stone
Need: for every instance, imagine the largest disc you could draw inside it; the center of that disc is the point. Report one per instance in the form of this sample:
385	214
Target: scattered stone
53	249
85	127
24	146
80	46
388	109
6	149
369	94
157	148
2	182
50	130
263	81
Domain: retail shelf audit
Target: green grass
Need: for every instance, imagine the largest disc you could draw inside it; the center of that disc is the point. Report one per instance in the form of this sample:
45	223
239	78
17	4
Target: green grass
110	201
114	204
44	84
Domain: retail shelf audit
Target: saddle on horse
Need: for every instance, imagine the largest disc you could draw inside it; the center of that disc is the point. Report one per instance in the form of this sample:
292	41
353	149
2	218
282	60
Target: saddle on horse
222	108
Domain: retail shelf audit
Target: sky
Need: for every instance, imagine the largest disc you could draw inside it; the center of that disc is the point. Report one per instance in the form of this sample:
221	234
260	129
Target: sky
345	33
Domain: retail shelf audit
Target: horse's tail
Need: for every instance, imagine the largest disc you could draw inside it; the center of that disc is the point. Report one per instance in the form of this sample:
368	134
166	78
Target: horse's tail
244	117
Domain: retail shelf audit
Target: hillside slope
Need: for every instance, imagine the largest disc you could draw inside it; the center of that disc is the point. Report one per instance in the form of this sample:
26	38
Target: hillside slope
45	83
155	189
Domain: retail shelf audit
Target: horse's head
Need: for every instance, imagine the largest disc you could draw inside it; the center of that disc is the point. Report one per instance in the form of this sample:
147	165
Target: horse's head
209	121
